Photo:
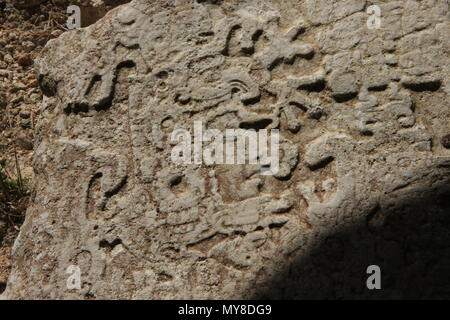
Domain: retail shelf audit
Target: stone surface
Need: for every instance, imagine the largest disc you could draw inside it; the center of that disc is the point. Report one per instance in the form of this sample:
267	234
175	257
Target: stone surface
361	114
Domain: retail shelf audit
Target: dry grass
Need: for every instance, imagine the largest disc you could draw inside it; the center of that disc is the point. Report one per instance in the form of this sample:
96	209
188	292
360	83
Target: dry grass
13	191
14	197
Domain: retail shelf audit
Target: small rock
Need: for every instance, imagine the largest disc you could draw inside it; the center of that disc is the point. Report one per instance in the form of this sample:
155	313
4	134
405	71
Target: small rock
24	114
446	141
10	47
8	58
17	86
25	123
33	83
24	143
25	60
5	73
28	46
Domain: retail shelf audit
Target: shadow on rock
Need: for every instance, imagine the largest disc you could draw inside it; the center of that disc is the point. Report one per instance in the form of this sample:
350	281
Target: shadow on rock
409	241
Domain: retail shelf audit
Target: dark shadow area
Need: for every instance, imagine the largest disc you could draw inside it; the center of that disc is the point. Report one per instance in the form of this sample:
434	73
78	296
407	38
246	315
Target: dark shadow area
409	240
421	87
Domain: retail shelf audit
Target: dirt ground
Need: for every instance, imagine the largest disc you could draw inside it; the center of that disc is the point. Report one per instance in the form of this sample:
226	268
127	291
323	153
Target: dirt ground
25	28
23	33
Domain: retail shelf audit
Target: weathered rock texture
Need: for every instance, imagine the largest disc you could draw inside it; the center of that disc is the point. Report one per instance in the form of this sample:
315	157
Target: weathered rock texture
362	115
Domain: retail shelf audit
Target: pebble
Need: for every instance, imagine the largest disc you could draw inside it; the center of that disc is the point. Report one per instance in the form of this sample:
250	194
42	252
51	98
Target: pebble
25	123
24	143
24	114
28	46
18	86
446	141
8	58
25	60
5	73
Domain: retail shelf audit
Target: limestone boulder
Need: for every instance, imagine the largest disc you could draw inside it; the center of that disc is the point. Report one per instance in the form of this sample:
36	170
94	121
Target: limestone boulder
362	114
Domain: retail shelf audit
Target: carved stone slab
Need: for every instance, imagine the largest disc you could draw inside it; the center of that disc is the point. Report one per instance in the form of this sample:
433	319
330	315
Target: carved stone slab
361	113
